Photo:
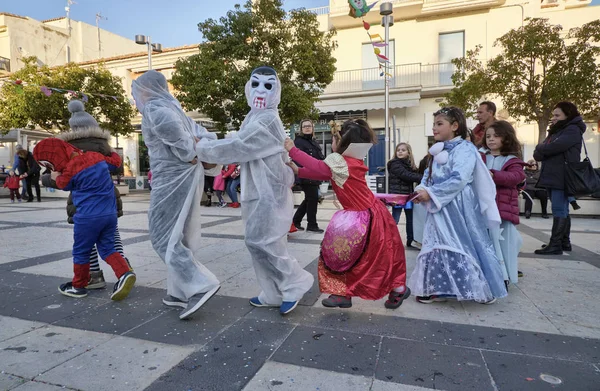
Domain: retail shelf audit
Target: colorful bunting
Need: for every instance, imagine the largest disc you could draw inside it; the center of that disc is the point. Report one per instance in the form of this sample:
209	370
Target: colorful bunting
19	84
358	9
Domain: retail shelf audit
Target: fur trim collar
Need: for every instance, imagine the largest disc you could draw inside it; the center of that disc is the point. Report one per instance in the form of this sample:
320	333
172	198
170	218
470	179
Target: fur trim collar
91	132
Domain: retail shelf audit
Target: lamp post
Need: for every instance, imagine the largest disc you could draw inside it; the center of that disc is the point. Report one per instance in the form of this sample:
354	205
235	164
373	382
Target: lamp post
156	47
387	20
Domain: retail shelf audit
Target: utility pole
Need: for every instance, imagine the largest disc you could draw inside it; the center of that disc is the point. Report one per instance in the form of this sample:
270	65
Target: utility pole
98	17
68	46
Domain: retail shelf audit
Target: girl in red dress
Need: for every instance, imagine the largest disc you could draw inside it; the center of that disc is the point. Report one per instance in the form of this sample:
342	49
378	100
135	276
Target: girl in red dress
362	253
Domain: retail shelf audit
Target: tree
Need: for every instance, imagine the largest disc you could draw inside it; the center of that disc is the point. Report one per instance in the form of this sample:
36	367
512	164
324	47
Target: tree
261	33
536	69
26	106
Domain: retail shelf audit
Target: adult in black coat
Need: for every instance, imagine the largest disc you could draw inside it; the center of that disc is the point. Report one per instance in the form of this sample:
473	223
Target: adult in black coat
562	144
403	174
306	143
32	175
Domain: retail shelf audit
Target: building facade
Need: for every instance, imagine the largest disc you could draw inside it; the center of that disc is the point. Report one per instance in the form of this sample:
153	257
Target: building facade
425	37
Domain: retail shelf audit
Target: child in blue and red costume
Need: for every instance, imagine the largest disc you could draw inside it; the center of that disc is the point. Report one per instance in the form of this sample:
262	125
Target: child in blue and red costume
86	175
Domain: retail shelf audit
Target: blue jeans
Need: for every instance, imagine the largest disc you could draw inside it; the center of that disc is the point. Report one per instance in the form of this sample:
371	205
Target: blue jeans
231	188
560	203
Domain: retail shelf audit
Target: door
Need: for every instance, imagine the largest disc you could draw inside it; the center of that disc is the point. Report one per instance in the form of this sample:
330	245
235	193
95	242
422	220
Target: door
377	156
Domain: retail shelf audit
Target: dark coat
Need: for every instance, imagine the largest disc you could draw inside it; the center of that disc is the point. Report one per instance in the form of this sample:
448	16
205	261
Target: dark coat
402	176
507	195
312	148
532	177
563	142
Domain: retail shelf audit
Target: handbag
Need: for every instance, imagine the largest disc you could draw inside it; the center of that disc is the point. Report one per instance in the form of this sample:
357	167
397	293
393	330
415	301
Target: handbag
580	177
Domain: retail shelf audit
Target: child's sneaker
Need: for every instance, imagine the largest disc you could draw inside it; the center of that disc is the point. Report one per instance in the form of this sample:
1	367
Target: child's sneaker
68	289
20	200
337	301
96	280
223	204
12	201
123	286
431	299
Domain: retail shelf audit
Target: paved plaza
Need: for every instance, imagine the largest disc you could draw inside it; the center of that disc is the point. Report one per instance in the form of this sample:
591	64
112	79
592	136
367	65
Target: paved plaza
544	336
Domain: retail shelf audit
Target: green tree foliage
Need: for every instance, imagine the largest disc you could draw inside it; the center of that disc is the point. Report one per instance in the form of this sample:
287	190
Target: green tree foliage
537	68
262	33
28	107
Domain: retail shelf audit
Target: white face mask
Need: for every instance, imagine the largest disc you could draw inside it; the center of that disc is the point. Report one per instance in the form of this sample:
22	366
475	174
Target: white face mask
261	94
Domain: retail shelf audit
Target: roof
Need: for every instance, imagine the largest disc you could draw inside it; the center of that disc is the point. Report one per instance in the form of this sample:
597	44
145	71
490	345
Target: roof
12	15
137	54
53	19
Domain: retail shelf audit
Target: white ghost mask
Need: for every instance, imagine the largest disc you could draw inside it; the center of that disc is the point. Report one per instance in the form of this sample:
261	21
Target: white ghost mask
263	90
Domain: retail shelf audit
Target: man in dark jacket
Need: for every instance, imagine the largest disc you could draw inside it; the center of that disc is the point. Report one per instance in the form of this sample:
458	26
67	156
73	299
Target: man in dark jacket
306	143
563	144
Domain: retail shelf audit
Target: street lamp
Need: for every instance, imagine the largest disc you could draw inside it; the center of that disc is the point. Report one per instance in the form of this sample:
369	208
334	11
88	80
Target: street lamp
387	20
156	47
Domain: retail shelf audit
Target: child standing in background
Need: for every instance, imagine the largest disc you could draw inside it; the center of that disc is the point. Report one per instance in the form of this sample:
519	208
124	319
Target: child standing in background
12	182
503	158
403	175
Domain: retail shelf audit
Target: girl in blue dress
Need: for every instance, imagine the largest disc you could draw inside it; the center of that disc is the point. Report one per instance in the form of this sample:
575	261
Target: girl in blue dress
458	258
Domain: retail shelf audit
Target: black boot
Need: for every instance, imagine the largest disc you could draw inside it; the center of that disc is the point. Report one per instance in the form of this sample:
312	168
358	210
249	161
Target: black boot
566	241
555	246
527	214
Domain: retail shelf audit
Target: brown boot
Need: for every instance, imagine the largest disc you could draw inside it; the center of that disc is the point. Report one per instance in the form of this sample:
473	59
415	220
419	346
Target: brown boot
96	280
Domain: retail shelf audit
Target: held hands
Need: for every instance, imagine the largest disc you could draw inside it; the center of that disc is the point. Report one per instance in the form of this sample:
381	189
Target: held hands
422	197
194	161
292	165
24	175
288	144
54	175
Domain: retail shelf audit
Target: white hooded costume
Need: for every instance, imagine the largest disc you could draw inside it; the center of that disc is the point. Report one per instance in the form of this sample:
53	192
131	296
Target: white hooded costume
174	213
266	181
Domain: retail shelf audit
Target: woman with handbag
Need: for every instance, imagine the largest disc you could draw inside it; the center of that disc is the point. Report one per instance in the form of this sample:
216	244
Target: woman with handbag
561	147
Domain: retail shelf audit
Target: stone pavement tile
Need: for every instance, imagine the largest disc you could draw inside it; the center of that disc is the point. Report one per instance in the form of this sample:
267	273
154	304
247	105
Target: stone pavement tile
285	377
311	297
6	258
506	340
36	216
337	351
12	327
516	311
520	372
142	305
229	361
450	311
134	221
46	241
43	349
169	329
585	329
9	382
214	316
243	284
120	363
37	386
379	385
48	308
432	365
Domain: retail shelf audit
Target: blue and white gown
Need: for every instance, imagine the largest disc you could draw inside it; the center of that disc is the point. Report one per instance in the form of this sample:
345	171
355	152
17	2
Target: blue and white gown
458	257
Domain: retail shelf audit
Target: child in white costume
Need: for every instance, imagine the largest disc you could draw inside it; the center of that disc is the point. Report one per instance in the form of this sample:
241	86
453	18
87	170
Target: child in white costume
177	183
266	182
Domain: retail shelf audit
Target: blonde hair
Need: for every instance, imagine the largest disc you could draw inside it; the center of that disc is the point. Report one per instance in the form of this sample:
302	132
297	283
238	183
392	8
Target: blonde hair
411	158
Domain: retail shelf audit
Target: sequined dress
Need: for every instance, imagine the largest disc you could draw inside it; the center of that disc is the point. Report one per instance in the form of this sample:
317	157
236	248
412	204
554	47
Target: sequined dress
382	266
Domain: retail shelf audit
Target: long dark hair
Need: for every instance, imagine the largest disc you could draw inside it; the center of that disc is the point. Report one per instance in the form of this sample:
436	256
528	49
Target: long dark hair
355	131
510	142
453	115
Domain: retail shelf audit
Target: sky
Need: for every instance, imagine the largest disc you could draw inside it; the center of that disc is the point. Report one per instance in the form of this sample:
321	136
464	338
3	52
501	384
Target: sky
169	22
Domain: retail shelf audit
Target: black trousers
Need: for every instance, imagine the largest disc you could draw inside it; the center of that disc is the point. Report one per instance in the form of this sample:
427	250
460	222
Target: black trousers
541	195
308	207
35	181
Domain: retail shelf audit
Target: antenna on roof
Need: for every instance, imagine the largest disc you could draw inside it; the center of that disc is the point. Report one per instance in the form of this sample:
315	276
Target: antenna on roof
98	18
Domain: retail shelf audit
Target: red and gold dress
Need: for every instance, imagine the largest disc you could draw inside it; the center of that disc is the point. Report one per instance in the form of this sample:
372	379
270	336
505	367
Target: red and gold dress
382	265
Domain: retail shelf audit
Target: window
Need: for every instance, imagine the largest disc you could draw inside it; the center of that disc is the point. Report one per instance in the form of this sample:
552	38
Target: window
451	46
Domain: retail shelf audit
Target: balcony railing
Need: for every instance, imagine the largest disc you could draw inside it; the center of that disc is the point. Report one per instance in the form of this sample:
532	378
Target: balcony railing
403	76
319	10
345	9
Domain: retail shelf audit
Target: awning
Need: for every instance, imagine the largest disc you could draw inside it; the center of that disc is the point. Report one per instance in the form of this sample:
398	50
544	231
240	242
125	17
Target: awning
368	102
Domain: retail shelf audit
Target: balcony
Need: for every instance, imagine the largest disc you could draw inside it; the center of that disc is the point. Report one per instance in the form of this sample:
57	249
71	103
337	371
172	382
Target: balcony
406	76
432	7
403	9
